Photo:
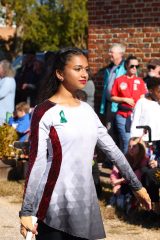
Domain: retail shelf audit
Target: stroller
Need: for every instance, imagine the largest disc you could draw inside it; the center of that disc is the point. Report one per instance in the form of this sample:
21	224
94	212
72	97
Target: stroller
150	150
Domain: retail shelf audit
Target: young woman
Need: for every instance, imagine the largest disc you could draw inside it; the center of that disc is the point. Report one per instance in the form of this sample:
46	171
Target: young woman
59	188
126	90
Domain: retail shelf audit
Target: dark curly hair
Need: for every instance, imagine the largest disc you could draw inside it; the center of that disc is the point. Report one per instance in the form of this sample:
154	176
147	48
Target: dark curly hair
50	82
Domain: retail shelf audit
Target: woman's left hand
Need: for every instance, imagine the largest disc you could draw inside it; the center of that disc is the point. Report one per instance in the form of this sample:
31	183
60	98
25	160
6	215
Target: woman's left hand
143	198
129	101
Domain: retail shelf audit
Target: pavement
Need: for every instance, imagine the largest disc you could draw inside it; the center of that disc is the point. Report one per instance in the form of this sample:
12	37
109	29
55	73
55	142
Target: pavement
115	228
9	220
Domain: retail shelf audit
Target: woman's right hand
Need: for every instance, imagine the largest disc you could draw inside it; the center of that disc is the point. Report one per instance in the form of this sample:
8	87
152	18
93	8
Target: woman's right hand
27	225
129	101
143	198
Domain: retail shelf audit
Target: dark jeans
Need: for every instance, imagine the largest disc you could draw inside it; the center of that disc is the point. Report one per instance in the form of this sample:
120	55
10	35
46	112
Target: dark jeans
47	233
150	182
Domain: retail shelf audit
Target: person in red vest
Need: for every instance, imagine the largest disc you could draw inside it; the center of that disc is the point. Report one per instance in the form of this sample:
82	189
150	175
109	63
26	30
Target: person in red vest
126	91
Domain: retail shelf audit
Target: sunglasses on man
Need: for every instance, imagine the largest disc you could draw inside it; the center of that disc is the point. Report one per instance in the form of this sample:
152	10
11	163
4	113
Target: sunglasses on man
132	66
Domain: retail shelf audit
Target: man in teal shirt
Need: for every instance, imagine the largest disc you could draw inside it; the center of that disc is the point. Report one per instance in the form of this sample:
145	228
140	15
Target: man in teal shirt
114	70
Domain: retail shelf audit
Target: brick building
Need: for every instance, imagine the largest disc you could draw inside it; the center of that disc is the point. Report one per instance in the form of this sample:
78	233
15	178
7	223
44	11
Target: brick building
136	23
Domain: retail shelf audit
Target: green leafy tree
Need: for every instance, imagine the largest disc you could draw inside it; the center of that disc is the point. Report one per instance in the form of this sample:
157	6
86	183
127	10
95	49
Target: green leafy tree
75	22
51	24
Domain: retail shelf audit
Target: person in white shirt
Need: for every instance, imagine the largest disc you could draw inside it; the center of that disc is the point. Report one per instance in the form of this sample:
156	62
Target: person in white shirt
147	112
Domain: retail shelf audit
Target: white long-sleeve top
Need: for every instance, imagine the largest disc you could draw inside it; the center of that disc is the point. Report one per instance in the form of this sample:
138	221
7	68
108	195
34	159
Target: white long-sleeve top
59	185
146	112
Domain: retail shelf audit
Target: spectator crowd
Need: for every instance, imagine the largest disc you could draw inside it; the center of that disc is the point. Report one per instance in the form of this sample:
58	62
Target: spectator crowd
130	105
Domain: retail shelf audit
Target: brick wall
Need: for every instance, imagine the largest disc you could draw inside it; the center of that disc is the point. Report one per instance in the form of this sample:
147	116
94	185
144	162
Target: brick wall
135	23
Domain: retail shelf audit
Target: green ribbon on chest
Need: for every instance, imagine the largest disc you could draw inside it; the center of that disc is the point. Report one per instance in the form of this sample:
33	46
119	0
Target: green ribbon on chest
63	118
